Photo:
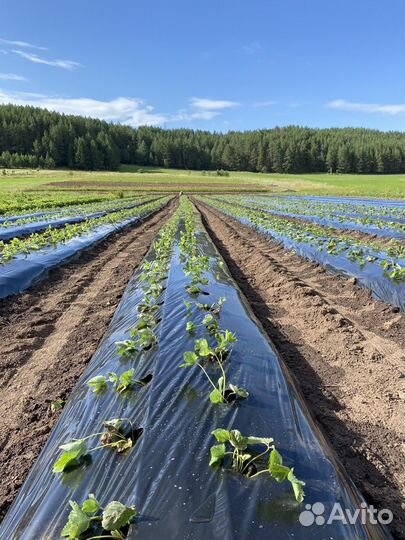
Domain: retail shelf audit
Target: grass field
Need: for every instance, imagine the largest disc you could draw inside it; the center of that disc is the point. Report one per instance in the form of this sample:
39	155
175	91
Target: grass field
130	179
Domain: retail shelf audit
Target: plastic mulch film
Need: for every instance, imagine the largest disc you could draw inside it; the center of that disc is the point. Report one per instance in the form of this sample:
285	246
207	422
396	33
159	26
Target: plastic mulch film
166	475
8	233
25	270
332	220
370	276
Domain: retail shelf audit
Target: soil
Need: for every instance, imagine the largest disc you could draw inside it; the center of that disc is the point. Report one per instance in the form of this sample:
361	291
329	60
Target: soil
49	334
344	349
156	186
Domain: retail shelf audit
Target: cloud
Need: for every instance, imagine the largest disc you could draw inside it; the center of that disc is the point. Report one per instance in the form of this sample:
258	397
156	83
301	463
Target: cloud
131	111
259	104
203	109
31	57
212	104
371	108
2	51
124	110
11	77
252	48
22	44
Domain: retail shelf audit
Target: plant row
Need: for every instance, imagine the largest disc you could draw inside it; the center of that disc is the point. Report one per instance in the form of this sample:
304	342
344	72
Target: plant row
324	239
336	207
330	213
76	210
89	520
53	236
211	355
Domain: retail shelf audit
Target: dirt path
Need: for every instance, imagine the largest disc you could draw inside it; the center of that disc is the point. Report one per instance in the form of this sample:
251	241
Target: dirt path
47	337
344	348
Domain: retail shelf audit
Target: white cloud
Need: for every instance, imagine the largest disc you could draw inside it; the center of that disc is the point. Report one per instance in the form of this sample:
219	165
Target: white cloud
259	104
2	51
203	109
22	44
373	108
252	48
131	111
125	110
11	77
212	104
31	57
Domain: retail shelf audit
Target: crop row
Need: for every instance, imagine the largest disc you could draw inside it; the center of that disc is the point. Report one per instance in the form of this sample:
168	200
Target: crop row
29	202
323	213
54	236
388	256
386	210
75	210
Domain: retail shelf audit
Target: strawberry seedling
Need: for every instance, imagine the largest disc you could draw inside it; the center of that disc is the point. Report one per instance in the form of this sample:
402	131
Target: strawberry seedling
245	460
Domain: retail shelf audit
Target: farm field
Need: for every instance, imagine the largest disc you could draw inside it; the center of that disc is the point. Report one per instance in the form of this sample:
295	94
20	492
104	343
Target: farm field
131	178
187	319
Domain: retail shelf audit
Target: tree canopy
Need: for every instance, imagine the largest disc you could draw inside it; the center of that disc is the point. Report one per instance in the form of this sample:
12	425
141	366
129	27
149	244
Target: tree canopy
34	137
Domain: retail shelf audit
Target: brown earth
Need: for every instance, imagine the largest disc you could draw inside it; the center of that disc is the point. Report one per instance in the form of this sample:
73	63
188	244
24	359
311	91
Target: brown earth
47	337
163	186
345	349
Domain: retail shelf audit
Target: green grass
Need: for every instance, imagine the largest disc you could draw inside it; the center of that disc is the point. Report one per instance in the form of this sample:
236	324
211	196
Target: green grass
135	179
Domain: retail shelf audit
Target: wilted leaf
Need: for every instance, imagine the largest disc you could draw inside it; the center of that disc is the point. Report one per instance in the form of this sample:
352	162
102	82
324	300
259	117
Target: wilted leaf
116	515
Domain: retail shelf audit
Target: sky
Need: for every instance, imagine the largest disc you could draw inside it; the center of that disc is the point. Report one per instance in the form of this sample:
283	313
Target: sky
210	64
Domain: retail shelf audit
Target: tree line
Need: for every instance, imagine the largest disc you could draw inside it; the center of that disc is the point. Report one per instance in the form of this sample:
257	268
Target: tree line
37	138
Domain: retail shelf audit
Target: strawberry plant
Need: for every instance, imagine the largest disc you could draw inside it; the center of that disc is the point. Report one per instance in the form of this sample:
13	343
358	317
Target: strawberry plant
244	459
90	521
221	392
120	383
114	436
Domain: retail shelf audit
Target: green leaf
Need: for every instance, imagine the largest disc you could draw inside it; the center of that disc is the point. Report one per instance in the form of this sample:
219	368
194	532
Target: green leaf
267	441
57	405
190	359
275	458
297	485
190	326
125	348
113	377
125	379
279	472
202	348
91	505
208	319
77	524
98	384
241	392
221	384
72	452
116	515
221	435
217	454
216	396
238	440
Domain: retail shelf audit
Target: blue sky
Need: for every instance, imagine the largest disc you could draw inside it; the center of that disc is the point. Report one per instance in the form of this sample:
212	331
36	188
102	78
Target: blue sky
213	64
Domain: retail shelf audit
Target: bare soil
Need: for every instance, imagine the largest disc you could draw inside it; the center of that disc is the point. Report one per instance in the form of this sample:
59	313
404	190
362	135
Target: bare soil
164	186
345	350
47	337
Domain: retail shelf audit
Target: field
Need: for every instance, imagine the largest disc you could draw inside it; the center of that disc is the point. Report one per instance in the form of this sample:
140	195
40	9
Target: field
241	341
130	178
